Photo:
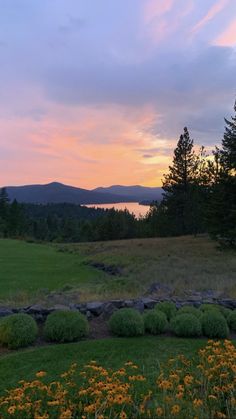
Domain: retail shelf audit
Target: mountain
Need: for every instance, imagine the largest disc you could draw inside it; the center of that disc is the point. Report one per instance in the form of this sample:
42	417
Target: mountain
57	193
140	193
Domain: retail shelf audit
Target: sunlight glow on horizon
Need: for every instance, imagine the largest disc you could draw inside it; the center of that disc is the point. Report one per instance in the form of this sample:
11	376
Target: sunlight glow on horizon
106	96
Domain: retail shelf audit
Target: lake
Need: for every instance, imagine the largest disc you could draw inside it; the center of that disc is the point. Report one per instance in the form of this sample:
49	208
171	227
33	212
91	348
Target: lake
132	207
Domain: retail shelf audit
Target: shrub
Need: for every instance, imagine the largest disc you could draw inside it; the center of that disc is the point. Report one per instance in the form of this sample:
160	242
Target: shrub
186	325
216	307
214	324
190	310
18	330
207	307
168	308
127	322
65	326
232	320
155	322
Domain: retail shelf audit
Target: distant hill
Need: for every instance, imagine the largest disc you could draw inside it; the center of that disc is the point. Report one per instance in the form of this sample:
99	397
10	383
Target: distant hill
57	193
140	193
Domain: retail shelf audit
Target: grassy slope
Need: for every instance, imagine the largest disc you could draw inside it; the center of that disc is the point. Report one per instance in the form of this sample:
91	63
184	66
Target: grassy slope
26	268
182	262
148	352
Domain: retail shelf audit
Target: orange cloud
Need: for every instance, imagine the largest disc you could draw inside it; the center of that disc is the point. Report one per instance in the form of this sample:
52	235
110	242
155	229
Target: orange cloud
212	12
228	37
85	147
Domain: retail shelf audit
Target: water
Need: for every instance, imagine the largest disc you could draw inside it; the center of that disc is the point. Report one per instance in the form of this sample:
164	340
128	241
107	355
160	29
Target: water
132	207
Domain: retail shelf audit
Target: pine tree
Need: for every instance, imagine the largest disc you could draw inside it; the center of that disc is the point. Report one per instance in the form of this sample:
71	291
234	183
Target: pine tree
228	152
222	205
4	211
178	186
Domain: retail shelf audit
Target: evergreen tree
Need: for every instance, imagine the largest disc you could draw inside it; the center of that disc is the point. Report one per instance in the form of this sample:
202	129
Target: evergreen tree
222	205
228	152
178	186
4	210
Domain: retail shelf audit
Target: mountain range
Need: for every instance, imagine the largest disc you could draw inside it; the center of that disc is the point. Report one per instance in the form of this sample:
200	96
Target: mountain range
56	192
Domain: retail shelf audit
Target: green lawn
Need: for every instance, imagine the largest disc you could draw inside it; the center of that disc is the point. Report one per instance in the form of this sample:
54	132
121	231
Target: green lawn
28	269
147	352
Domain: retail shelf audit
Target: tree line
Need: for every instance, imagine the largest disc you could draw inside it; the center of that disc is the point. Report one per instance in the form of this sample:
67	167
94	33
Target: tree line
199	196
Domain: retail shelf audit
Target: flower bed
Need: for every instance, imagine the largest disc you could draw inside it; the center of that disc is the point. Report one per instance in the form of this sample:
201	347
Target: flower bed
204	387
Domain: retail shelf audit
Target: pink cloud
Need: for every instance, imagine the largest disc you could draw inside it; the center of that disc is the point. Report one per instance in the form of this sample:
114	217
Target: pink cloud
228	37
212	12
154	9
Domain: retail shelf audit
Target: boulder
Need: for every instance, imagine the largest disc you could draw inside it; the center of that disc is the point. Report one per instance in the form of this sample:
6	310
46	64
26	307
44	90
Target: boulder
139	305
5	311
148	302
96	307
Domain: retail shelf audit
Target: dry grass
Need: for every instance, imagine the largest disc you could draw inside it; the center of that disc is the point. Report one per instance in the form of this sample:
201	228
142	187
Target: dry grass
183	263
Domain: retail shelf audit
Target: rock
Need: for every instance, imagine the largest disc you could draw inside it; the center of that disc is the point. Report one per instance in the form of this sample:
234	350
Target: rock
57	307
148	302
139	305
89	315
228	303
95	307
36	309
5	311
118	303
128	304
108	310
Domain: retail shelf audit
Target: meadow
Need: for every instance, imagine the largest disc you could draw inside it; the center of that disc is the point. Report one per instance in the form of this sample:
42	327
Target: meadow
29	271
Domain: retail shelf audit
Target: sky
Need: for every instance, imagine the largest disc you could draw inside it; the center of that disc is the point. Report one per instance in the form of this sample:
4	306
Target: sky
97	92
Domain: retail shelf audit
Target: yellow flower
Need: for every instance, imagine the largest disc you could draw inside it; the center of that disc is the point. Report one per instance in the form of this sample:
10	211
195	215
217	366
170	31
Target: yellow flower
197	402
212	397
40	374
66	414
159	411
123	415
188	379
11	410
175	409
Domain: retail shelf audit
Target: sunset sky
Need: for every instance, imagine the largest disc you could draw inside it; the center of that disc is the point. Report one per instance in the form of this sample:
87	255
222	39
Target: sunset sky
97	92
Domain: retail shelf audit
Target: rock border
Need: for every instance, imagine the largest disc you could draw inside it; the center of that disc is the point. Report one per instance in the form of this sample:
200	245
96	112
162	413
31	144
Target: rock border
106	308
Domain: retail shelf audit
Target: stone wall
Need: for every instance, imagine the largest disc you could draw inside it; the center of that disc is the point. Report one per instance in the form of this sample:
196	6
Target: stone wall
106	308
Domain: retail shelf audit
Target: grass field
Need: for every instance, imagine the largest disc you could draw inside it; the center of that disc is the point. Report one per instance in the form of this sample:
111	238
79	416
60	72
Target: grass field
147	352
182	262
29	271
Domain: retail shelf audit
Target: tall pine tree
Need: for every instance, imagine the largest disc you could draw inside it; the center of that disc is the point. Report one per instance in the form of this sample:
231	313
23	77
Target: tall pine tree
178	186
222	207
228	152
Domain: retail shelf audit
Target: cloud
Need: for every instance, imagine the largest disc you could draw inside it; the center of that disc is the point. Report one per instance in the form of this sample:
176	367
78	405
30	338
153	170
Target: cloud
228	37
88	85
214	10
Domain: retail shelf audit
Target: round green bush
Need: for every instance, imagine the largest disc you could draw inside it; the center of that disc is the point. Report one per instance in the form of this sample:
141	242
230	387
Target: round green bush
18	330
186	325
225	311
214	325
65	326
190	310
232	320
126	322
168	308
207	307
216	307
155	322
